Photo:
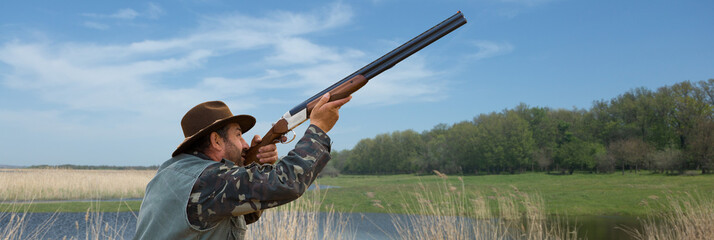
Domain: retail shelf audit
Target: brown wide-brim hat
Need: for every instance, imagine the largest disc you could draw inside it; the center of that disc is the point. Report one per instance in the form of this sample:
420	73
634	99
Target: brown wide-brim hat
209	117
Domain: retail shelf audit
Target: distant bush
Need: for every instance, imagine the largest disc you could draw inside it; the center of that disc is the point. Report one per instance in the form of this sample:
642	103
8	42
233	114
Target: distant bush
329	171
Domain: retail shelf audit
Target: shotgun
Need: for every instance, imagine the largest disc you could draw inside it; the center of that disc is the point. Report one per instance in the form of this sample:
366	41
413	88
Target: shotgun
355	81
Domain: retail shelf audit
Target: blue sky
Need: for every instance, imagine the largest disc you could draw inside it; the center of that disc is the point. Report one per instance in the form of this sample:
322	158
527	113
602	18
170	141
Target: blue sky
107	82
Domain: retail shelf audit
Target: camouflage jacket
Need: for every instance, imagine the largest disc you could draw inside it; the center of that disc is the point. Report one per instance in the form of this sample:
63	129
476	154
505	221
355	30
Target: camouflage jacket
225	189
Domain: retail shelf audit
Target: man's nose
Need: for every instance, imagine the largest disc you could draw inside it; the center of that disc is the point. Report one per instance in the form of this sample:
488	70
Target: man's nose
244	144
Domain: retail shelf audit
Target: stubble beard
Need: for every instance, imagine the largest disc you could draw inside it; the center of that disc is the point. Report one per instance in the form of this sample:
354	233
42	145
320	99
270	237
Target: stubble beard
234	154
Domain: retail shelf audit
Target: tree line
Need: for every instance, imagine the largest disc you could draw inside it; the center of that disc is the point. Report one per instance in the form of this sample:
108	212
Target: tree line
669	130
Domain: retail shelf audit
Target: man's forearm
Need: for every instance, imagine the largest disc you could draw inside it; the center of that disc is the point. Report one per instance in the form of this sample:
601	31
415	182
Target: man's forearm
224	191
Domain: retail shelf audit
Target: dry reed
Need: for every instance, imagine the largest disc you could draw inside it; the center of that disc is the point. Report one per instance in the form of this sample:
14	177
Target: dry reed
685	216
15	225
70	184
445	212
97	228
449	212
300	220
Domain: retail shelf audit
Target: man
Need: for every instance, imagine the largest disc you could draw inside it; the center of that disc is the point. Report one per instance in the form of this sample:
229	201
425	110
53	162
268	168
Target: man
205	192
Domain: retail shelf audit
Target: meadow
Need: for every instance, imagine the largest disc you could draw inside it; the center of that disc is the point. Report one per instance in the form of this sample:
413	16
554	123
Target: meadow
577	194
526	206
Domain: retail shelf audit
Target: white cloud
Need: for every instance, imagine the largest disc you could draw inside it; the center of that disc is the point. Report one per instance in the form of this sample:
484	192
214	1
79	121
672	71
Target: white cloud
298	50
92	76
96	77
282	23
410	81
96	25
152	11
488	49
126	13
140	89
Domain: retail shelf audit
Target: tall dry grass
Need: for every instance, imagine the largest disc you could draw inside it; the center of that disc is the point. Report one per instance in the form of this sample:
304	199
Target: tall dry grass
98	228
95	225
70	184
447	211
450	212
301	220
16	224
684	216
444	212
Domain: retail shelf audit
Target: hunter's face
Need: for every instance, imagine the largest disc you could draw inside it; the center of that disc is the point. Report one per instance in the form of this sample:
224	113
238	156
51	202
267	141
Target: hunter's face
236	146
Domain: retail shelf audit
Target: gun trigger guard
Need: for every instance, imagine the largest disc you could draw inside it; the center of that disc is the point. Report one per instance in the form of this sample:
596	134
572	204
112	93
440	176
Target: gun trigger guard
294	135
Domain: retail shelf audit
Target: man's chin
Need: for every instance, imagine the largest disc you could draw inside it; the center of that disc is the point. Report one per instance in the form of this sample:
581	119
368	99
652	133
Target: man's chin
241	160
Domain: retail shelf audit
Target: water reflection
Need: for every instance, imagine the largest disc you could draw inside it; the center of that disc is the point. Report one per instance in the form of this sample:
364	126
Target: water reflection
362	225
601	227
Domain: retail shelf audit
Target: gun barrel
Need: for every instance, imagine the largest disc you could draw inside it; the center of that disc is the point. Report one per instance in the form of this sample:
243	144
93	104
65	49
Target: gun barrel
356	80
395	56
412	46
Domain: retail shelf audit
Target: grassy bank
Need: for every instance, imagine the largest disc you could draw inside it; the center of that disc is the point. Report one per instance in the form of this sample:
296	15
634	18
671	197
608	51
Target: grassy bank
578	194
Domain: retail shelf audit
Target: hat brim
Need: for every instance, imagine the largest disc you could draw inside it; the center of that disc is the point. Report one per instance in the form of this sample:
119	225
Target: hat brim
246	122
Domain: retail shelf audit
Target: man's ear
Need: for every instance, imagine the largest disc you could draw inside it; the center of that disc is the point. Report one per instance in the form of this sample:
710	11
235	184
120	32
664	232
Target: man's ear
216	141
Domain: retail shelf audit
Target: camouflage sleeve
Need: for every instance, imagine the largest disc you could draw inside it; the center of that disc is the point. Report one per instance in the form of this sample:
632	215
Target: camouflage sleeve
222	191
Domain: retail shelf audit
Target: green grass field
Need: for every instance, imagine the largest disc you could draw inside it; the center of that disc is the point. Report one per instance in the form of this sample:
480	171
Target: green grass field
578	194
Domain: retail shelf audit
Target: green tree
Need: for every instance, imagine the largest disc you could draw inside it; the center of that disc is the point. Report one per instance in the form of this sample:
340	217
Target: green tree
462	141
578	154
544	131
701	144
505	140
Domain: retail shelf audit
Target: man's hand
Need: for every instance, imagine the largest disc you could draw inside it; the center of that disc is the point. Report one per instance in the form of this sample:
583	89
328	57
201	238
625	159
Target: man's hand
268	153
325	114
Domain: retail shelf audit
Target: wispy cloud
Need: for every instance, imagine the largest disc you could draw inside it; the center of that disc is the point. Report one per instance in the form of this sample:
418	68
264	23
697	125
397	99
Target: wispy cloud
411	81
96	25
141	80
126	13
154	11
488	49
151	11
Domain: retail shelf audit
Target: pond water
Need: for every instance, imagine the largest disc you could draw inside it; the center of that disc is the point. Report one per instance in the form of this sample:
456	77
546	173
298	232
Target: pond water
362	226
603	227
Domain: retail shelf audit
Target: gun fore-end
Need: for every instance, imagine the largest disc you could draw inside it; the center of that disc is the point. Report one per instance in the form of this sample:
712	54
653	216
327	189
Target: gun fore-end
273	135
342	91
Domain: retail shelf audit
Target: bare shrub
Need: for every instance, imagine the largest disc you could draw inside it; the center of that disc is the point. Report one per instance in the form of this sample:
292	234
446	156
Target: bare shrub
631	152
666	160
